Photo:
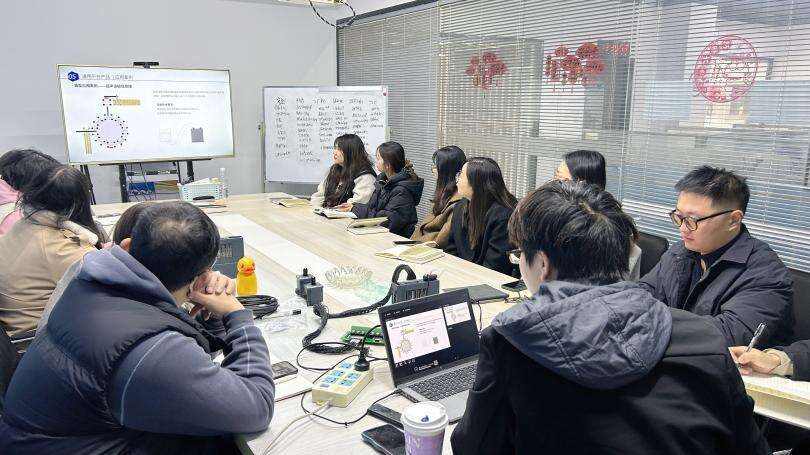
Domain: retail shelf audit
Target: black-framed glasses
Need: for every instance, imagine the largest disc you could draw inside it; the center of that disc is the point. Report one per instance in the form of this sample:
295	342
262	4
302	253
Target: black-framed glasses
691	223
514	256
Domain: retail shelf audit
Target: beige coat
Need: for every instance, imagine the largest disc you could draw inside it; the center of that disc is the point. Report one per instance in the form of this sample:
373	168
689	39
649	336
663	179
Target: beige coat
437	228
34	255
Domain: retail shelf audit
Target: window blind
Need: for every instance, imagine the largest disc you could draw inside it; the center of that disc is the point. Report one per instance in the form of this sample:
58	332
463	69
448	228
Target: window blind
657	86
723	83
399	51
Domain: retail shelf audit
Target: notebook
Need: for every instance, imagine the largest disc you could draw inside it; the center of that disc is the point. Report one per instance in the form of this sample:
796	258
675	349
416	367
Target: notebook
333	214
779	386
368	226
292	202
417	254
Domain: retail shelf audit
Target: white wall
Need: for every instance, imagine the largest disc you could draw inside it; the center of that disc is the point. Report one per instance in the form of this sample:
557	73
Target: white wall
262	43
365	6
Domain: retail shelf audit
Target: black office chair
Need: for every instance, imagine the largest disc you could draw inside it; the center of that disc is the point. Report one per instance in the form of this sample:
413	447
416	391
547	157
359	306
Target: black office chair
652	248
23	340
801	304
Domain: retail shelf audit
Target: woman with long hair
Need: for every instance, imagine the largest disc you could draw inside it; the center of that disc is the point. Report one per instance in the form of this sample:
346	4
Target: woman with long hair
447	162
57	230
479	227
397	191
350	179
589	166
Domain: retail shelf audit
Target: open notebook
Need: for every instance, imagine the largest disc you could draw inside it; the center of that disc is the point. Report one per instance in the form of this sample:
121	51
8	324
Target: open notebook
291	202
417	254
368	226
332	214
779	386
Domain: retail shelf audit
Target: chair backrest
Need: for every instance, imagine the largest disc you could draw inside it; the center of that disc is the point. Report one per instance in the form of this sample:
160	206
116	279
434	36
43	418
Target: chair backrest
652	248
8	363
801	304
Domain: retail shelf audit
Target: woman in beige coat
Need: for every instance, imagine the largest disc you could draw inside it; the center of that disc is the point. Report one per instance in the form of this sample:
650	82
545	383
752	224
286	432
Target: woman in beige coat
447	163
57	229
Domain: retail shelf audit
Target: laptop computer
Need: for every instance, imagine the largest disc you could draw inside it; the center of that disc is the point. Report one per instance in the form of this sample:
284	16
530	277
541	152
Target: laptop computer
432	346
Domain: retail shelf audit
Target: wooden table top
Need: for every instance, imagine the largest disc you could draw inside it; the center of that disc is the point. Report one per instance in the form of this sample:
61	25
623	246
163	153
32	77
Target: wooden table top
284	240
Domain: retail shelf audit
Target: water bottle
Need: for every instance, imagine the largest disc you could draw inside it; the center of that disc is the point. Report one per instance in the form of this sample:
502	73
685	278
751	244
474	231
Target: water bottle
223	184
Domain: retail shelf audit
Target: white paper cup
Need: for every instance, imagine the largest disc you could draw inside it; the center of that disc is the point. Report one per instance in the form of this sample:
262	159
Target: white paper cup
424	425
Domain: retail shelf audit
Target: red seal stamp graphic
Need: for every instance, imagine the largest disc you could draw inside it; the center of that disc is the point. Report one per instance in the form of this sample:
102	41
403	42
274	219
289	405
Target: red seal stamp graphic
725	69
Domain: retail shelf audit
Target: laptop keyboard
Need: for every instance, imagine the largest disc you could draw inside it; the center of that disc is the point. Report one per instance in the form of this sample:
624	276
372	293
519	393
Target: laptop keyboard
447	384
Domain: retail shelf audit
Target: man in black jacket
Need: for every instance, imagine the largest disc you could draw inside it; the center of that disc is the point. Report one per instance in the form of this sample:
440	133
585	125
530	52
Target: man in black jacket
593	365
718	270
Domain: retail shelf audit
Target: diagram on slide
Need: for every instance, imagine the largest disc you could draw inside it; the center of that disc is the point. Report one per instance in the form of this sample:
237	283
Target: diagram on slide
418	335
108	129
405	345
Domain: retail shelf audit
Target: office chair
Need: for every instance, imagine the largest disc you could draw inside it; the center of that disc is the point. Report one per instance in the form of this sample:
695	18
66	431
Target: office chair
652	248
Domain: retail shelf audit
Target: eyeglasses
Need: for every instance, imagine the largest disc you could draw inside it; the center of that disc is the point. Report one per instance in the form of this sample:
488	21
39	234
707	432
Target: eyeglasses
691	223
458	176
514	256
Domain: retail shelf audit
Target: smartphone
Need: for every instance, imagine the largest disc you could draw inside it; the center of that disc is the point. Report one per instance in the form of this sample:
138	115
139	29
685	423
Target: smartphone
385	414
386	439
514	286
283	371
406	242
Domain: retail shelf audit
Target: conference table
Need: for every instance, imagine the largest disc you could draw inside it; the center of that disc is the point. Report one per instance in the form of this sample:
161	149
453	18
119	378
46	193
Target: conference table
283	241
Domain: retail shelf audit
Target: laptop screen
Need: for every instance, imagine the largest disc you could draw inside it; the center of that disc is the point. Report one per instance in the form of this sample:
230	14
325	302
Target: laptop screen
427	334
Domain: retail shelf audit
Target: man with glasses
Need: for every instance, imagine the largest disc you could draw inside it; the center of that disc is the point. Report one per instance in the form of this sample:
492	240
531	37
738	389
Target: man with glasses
719	270
594	363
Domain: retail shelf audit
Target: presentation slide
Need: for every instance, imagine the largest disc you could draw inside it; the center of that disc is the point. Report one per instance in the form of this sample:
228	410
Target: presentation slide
417	335
120	115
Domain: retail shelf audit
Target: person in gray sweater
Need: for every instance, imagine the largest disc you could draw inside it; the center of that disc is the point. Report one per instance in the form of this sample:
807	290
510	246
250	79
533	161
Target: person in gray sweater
120	367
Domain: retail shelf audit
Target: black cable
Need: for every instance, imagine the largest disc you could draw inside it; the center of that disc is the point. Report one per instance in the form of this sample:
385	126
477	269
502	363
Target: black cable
323	311
347	24
363	364
298	357
259	305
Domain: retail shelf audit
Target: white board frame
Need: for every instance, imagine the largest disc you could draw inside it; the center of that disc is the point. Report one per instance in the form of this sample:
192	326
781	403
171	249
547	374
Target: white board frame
327	88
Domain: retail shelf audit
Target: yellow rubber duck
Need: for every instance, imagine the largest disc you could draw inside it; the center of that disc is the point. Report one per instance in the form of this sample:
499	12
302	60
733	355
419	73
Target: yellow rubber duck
246	277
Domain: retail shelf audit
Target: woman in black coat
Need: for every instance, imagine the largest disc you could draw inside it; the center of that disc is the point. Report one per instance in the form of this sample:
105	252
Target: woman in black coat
397	192
479	227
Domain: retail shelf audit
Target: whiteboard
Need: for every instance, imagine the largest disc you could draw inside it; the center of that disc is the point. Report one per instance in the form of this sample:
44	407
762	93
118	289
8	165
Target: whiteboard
301	124
126	114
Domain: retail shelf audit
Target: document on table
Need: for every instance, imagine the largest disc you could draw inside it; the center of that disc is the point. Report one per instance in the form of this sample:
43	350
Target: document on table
779	386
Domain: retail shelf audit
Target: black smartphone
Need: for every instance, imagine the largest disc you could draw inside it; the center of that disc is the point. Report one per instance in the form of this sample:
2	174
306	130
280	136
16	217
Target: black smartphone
283	370
385	414
386	439
406	242
514	286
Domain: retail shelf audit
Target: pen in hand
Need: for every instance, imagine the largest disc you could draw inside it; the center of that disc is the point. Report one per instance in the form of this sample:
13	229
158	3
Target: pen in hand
755	338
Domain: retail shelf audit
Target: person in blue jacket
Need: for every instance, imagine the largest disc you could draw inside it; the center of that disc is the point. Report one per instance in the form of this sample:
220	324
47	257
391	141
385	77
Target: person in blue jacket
397	192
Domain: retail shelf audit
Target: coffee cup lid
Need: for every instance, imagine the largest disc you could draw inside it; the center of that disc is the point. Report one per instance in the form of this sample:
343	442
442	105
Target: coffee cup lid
425	415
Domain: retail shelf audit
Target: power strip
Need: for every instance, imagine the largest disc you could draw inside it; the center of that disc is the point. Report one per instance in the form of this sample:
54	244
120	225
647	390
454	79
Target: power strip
341	385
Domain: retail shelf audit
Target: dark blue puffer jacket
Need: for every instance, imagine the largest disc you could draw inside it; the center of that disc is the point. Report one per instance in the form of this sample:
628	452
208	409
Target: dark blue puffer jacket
395	198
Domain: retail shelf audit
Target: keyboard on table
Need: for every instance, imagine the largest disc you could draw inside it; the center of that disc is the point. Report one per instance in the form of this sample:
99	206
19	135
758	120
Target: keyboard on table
447	384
